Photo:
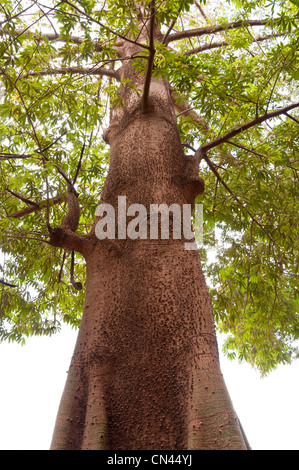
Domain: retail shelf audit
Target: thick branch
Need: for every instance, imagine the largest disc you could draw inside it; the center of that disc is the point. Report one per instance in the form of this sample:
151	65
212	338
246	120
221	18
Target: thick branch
71	219
214	29
76	70
244	127
215	45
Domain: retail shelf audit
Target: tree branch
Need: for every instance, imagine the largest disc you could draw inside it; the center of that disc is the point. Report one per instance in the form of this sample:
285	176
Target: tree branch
41	150
16	15
4	283
76	285
201	10
115	33
38	206
292	117
242	147
214	170
28	27
74	179
164	40
215	45
150	63
65	236
184	108
57	37
12	156
75	70
8	156
27	237
214	29
22	197
244	127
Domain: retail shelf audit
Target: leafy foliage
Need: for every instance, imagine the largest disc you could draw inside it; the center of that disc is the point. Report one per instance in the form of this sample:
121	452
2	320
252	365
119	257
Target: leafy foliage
54	100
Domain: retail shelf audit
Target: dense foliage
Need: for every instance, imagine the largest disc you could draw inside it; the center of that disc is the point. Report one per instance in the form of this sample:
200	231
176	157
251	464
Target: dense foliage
231	61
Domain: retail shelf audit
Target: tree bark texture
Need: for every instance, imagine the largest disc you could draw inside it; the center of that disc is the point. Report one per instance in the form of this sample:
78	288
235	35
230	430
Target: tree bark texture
145	372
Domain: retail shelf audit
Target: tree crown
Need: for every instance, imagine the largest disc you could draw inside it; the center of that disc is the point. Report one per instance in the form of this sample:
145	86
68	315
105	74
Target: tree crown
232	68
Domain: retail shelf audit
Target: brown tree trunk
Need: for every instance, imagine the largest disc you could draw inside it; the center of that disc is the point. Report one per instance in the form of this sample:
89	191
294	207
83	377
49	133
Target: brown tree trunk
145	371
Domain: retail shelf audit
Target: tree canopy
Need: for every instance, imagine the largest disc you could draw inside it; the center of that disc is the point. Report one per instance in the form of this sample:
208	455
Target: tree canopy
233	71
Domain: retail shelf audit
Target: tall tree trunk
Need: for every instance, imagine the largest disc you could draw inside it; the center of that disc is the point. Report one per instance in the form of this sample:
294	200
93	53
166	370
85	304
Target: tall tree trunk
145	371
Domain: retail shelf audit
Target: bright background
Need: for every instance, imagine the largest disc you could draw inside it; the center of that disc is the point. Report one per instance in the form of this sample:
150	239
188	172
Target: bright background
33	377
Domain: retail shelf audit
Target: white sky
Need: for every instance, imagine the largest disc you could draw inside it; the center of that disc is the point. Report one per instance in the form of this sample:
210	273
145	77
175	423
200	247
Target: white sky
33	377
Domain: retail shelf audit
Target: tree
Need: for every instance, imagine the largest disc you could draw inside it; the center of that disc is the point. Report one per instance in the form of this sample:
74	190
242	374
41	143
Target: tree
164	79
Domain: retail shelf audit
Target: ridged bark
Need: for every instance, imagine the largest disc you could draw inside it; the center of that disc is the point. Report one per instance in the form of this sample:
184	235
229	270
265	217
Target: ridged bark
145	371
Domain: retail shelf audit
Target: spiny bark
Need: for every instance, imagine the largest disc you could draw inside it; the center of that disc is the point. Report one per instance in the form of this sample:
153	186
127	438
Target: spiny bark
145	371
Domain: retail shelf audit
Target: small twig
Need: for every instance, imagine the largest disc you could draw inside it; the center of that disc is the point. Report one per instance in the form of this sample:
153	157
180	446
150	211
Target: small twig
4	283
16	16
274	85
48	208
27	237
